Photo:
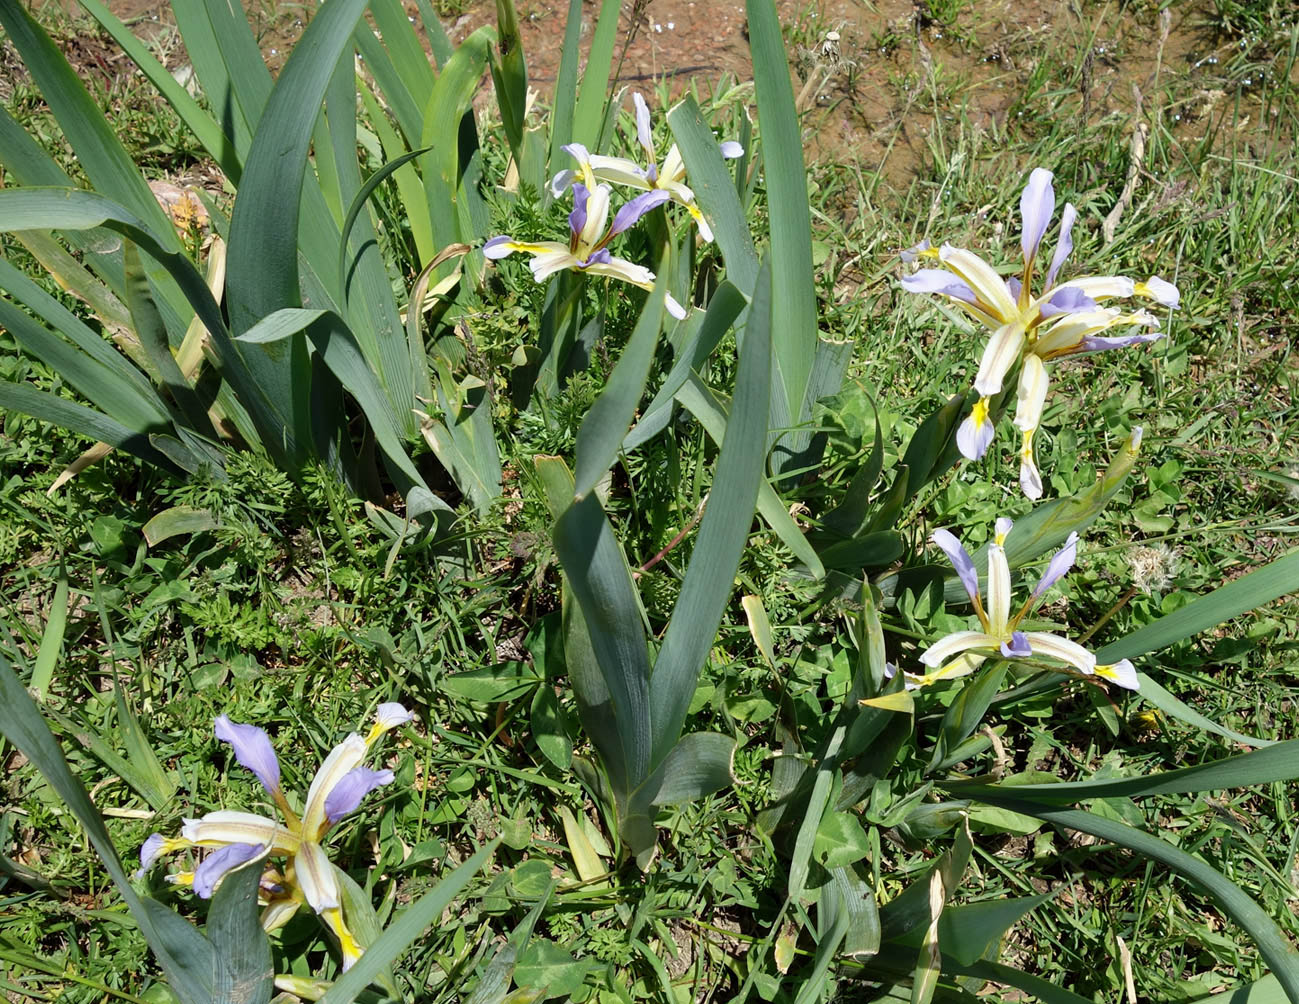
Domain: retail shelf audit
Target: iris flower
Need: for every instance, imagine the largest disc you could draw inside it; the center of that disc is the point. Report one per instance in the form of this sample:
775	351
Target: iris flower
1065	318
587	248
962	652
235	838
670	176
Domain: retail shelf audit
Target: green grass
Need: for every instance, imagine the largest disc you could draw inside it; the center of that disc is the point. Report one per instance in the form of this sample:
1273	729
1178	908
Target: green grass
288	616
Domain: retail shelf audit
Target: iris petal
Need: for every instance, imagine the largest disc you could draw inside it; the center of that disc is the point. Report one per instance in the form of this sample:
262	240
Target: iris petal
354	786
1058	566
253	750
219	863
960	559
1036	206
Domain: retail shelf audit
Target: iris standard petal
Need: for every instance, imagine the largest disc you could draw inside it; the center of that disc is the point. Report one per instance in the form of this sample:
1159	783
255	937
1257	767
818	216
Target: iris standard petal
999	355
216	865
975	434
577	218
316	877
982	278
1122	672
1064	246
673	307
1160	291
1014	287
730	149
253	750
340	762
1017	647
1067	300
954	644
1058	566
1054	647
354	786
960	559
226	826
644	130
632	211
998	589
1036	206
939	280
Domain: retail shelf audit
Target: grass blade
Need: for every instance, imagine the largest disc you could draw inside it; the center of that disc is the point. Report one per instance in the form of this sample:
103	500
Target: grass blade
561	119
1240	906
404	931
1247	593
185	955
47	656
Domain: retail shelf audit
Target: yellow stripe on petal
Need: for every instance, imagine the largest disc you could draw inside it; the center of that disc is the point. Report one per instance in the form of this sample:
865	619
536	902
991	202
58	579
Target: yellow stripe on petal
954	644
1054	647
981	277
342	758
348	945
217	829
315	877
963	665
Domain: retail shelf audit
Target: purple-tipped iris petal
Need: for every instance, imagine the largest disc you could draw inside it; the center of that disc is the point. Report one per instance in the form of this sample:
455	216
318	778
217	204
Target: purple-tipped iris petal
1068	300
1035	207
890	671
1058	566
560	182
252	749
354	786
218	863
601	257
643	130
577	218
938	280
1014	287
632	211
973	438
498	247
1003	526
577	151
1018	646
1064	245
392	714
1163	292
914	252
149	852
1100	343
960	559
731	149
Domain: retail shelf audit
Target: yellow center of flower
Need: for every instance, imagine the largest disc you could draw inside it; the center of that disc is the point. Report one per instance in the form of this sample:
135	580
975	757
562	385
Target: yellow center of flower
979	413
